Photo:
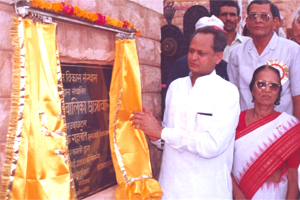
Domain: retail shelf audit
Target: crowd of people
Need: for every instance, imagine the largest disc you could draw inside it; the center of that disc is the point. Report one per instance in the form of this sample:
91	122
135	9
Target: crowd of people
231	124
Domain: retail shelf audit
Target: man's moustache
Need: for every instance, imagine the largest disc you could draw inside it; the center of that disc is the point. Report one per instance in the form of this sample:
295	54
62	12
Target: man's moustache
228	22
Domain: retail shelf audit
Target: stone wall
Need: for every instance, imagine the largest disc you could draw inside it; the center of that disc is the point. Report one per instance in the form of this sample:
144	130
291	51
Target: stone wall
79	43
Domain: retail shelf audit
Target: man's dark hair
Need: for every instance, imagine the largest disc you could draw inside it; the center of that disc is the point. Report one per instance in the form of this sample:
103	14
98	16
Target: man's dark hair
260	2
277	13
220	38
229	3
254	77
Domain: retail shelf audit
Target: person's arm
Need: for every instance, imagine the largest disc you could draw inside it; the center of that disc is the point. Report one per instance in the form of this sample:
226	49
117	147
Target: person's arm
296	104
294	79
293	190
232	67
237	193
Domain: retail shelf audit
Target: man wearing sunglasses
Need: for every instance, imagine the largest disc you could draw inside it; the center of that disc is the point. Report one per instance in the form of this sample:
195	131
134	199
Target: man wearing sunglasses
229	14
266	47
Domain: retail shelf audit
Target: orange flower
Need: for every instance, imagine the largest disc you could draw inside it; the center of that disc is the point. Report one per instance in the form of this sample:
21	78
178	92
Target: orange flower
76	10
80	13
57	6
119	23
36	3
48	5
138	32
130	24
92	16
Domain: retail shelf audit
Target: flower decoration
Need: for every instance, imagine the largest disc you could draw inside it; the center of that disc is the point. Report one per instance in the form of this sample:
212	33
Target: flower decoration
82	13
138	32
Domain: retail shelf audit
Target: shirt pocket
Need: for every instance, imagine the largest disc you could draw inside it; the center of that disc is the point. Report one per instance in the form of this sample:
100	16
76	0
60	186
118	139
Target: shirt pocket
203	120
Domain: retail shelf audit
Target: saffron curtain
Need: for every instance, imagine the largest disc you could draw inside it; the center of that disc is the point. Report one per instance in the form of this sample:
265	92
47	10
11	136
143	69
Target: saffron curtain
129	147
36	163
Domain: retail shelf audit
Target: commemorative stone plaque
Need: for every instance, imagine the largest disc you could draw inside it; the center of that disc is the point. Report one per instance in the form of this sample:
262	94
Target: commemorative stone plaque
86	94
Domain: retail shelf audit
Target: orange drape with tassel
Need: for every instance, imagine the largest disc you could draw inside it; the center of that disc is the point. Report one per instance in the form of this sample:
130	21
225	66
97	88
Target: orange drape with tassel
36	163
129	147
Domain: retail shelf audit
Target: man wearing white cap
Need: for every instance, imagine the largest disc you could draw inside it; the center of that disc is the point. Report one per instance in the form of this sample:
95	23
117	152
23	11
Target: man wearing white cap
180	67
199	124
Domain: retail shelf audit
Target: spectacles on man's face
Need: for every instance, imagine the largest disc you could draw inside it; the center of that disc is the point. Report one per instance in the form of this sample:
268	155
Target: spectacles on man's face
262	85
265	17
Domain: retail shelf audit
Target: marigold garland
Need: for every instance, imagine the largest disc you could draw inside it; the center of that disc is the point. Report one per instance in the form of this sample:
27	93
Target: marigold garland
94	17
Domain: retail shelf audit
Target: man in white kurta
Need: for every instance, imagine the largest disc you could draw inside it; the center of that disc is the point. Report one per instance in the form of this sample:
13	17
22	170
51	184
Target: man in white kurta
199	131
199	125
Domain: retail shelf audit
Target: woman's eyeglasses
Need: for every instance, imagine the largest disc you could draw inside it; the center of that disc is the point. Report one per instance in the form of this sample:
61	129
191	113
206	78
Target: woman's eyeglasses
263	84
264	16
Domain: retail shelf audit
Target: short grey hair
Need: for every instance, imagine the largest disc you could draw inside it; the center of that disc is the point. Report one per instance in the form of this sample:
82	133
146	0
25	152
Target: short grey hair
297	14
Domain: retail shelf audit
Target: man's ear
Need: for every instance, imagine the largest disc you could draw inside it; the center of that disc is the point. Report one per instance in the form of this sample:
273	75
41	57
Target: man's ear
275	22
219	57
239	19
293	23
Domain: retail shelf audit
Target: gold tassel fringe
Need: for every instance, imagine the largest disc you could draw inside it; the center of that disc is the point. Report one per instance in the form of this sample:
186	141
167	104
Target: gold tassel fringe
14	113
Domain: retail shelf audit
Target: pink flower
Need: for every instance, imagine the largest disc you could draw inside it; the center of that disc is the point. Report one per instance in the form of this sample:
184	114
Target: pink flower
67	9
125	23
101	19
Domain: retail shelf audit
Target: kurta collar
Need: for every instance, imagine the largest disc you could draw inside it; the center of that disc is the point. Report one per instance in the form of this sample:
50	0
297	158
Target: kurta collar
203	79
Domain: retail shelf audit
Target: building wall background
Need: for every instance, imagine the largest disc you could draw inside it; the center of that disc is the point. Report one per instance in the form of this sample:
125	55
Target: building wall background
287	9
79	43
88	45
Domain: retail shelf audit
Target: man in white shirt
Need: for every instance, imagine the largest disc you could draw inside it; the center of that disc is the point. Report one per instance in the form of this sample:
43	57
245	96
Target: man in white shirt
266	47
198	129
229	13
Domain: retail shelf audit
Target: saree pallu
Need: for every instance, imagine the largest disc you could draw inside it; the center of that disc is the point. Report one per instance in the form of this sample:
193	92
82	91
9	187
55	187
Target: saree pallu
36	163
260	149
129	148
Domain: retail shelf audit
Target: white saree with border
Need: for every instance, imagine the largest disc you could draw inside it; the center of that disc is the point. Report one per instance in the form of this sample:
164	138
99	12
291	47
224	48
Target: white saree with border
260	149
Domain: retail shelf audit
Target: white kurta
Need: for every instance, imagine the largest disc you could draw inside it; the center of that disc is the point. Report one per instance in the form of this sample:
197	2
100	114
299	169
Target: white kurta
200	123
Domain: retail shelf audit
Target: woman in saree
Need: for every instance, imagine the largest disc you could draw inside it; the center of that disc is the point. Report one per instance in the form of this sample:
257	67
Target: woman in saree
266	155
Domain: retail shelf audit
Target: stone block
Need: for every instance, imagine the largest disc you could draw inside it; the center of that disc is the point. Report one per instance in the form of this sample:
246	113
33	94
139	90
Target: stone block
74	34
152	101
151	79
146	51
153	25
109	8
157	53
137	16
98	45
87	44
5	24
61	37
6	73
4	118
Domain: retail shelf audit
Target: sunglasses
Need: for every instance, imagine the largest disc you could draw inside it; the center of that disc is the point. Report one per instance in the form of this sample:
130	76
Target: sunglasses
265	17
263	85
